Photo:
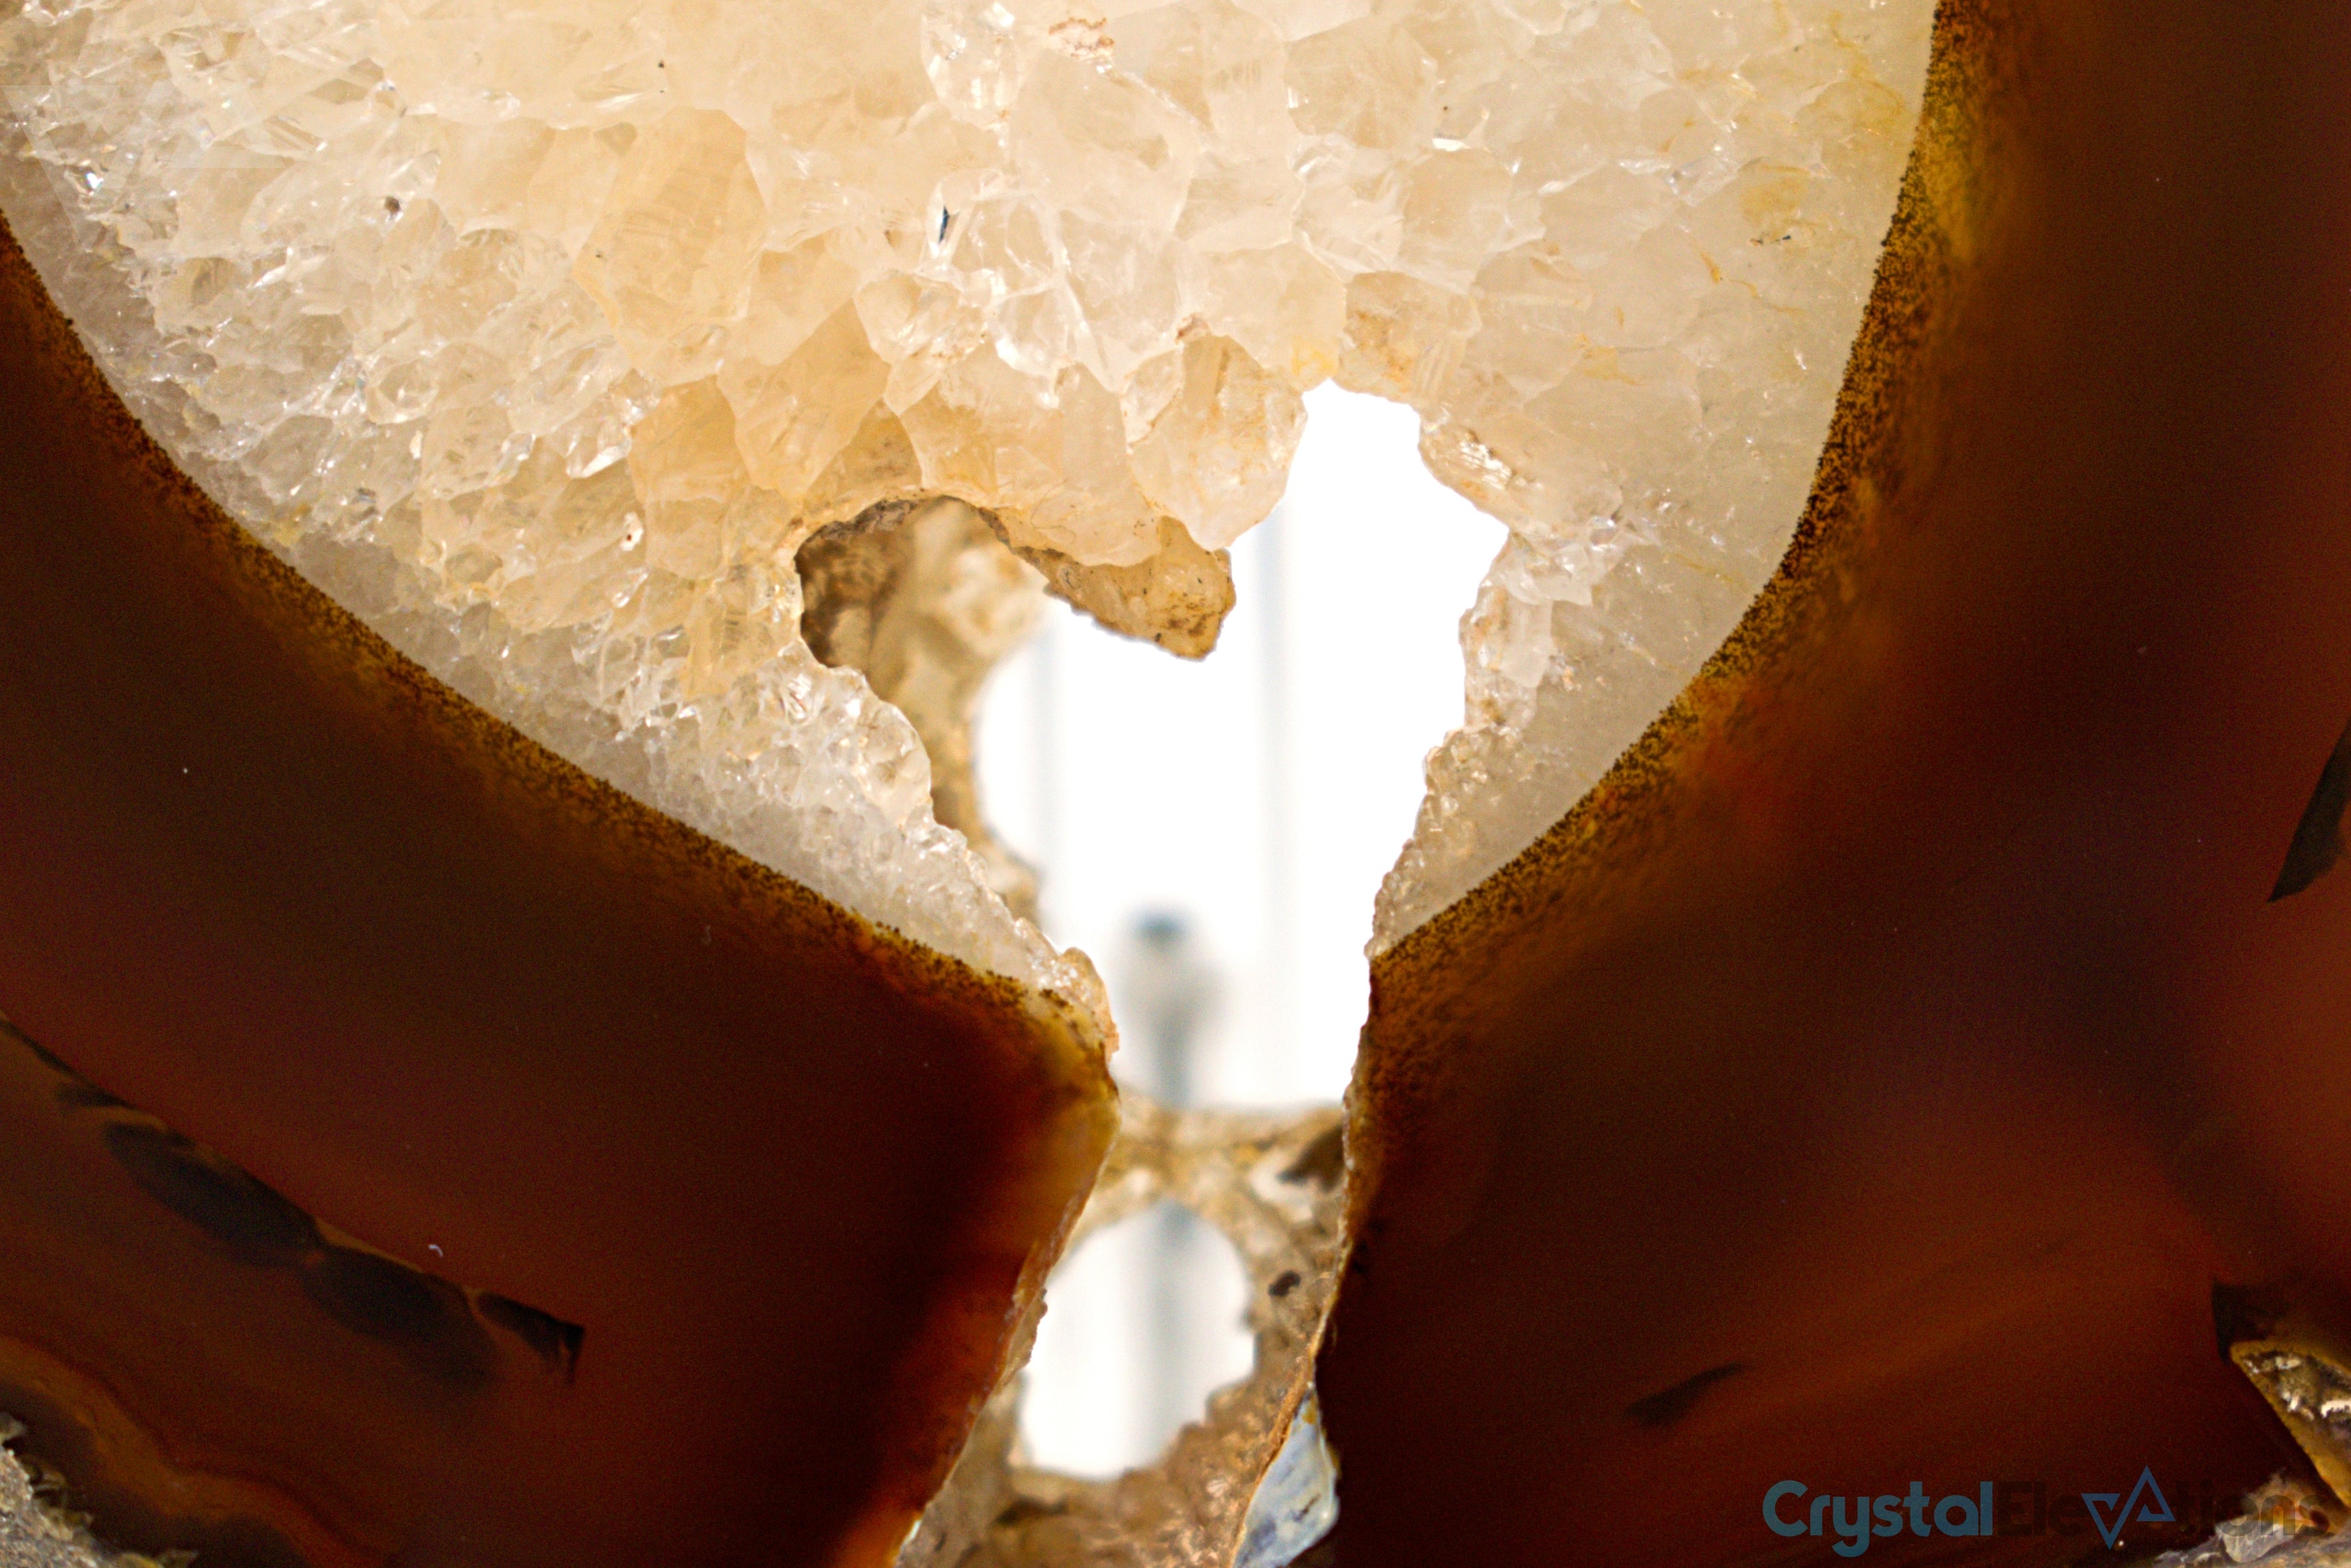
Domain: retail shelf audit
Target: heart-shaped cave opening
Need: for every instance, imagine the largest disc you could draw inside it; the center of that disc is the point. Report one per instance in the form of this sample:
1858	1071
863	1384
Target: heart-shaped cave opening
1213	827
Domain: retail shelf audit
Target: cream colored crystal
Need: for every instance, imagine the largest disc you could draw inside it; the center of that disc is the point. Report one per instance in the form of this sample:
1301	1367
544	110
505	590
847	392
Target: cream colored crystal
923	600
544	330
38	1529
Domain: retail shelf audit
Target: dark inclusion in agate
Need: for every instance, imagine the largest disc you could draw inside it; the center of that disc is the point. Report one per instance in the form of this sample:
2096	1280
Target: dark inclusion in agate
429	1156
2317	843
1943	1015
440	1328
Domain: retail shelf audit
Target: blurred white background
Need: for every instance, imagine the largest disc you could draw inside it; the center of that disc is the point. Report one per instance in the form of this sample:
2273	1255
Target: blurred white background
1212	834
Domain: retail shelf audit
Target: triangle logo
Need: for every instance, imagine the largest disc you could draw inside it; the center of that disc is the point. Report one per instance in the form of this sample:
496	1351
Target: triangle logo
2155	1511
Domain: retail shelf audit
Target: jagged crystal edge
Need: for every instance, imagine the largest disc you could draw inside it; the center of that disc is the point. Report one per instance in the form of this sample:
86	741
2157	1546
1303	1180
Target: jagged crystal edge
581	312
878	852
1701	408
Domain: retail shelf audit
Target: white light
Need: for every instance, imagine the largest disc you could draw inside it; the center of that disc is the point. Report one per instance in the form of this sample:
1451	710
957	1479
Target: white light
1262	793
1142	1322
1254	799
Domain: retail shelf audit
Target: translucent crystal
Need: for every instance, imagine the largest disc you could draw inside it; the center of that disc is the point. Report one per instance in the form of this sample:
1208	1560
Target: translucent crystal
2286	1523
1297	1503
35	1530
405	285
923	601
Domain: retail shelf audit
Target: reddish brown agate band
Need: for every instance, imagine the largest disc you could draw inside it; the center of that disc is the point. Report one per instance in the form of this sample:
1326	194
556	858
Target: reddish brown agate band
1884	1074
479	1019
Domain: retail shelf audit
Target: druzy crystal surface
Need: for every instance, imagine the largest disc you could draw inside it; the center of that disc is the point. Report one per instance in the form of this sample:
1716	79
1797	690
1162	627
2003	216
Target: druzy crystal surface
543	333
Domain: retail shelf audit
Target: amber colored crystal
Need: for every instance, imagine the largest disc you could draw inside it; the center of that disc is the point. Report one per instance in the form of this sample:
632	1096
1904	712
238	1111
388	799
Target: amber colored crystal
412	1151
1897	1067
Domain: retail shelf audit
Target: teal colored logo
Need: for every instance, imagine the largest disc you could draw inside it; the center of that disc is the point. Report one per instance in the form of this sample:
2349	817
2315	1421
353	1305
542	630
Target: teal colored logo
2110	1530
2004	1508
1855	1517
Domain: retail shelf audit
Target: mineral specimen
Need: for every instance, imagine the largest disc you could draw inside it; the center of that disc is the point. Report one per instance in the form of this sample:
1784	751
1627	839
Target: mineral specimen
687	383
1917	1051
710	390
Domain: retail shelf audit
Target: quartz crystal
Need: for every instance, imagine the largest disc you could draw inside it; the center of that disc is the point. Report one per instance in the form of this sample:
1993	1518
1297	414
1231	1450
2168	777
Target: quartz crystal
34	1533
924	599
544	333
2287	1524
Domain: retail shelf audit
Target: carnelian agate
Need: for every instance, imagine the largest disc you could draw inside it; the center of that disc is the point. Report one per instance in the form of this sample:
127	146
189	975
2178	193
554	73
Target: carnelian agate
448	1063
1872	1080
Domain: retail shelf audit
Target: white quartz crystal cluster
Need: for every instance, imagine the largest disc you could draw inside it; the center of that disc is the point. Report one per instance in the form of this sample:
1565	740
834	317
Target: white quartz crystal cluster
543	331
1639	380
